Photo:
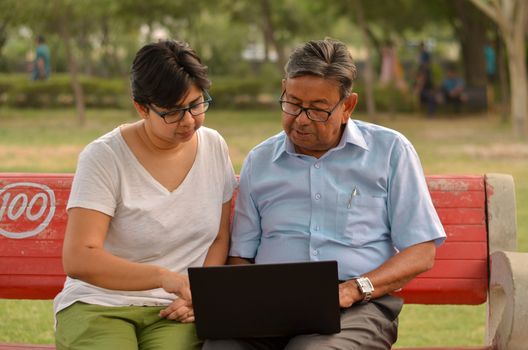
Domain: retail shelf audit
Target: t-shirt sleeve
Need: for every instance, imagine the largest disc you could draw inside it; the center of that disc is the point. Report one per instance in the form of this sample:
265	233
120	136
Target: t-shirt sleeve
412	216
95	184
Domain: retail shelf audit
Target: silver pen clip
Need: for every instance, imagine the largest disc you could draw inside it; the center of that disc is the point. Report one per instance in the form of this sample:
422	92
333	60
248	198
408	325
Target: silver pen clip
352	195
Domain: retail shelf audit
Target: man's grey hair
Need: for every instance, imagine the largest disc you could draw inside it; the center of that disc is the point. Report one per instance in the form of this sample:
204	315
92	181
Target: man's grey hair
328	59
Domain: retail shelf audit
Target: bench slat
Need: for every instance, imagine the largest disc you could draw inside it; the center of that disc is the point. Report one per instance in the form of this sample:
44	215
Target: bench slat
471	199
462	216
455	183
30	286
5	346
467	250
442	291
469	269
31	247
466	233
31	266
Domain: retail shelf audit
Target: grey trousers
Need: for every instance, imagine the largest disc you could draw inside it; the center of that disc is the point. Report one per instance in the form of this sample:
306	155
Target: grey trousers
370	326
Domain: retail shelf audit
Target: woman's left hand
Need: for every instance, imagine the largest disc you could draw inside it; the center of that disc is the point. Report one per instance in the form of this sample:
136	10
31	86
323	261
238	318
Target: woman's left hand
179	310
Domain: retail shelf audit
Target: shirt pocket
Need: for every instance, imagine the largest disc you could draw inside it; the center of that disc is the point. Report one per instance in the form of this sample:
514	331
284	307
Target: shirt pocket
361	219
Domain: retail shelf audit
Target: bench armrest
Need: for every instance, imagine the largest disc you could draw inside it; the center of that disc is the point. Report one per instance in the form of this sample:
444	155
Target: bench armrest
508	302
502	212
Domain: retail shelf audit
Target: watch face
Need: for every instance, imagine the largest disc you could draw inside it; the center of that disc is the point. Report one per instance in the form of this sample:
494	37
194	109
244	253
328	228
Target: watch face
365	285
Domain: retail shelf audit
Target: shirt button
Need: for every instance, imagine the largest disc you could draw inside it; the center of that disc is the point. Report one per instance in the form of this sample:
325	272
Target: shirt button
315	252
317	165
318	196
317	228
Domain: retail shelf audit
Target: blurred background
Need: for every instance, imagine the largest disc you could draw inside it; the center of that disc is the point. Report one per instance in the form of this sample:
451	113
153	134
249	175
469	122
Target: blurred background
64	67
245	43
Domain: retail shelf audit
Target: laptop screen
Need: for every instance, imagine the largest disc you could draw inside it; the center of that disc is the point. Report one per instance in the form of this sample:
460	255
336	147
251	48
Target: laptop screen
265	299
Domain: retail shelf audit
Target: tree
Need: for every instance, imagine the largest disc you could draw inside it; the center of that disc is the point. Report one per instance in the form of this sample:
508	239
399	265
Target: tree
282	23
510	16
369	70
12	14
64	12
470	27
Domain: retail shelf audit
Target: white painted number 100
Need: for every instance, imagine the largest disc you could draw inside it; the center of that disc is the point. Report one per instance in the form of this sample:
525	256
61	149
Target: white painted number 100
37	203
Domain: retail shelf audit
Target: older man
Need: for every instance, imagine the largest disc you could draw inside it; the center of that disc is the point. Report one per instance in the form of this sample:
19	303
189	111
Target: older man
332	188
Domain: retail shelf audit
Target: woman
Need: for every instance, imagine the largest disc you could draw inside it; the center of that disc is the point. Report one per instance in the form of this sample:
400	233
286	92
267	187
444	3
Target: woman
148	200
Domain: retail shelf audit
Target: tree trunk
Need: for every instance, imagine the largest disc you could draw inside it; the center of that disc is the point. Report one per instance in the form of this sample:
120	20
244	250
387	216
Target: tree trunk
510	16
72	65
519	91
471	33
3	35
269	32
502	74
368	75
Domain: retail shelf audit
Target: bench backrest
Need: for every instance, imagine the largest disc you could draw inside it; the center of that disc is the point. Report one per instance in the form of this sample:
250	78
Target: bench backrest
33	220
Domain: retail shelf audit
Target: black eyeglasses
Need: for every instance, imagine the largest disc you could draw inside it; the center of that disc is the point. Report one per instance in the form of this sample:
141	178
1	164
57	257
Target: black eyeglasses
315	114
175	115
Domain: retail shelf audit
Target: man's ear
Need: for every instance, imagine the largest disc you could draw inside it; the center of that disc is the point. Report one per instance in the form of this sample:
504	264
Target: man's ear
142	110
350	104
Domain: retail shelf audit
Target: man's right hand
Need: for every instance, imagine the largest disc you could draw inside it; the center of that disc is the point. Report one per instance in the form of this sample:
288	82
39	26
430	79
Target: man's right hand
348	294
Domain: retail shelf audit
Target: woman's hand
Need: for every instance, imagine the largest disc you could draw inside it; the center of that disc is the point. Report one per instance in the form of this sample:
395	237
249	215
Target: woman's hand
176	283
181	308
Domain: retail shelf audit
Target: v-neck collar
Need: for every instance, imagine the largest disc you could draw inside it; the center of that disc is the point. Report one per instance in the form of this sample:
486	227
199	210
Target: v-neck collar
137	164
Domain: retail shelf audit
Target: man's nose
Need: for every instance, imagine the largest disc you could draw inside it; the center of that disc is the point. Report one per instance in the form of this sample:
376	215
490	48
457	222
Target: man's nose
303	117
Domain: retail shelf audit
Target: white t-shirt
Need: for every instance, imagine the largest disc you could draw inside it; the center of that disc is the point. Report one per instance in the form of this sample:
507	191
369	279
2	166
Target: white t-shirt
149	223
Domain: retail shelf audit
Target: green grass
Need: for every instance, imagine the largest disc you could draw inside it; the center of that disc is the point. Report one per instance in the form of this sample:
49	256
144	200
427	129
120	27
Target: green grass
26	321
50	140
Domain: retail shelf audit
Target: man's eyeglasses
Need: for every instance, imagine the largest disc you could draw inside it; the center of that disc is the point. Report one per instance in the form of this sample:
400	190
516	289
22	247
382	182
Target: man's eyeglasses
315	114
175	115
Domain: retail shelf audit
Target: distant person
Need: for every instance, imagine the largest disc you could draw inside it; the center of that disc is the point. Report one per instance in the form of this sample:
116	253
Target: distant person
491	62
41	64
491	72
391	68
425	57
424	90
423	84
453	89
149	200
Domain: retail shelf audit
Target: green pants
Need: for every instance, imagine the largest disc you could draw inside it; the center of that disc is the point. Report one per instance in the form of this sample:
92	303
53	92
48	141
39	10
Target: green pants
85	326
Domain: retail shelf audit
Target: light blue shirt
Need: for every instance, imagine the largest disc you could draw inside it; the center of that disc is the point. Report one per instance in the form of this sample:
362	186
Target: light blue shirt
359	203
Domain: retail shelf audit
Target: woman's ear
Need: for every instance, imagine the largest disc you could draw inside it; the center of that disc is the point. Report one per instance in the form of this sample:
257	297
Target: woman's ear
142	110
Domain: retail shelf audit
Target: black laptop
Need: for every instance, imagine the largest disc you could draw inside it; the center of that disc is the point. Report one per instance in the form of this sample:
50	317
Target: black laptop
265	300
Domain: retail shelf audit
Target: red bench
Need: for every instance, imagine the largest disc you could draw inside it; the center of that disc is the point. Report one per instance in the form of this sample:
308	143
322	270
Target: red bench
476	265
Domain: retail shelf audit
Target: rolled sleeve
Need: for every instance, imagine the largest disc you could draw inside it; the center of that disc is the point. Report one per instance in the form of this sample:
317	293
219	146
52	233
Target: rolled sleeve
412	216
246	231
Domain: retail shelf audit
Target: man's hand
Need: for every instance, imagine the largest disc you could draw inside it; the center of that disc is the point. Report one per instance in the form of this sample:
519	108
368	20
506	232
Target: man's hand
348	294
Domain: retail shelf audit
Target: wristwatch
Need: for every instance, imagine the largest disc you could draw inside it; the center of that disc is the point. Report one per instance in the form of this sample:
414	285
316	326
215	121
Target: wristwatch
365	287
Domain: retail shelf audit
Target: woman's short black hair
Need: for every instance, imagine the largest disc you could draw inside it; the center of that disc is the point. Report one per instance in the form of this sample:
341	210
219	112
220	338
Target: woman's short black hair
162	73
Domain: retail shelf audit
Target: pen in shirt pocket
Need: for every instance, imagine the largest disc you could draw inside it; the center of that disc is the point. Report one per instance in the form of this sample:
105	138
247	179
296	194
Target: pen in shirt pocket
352	195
